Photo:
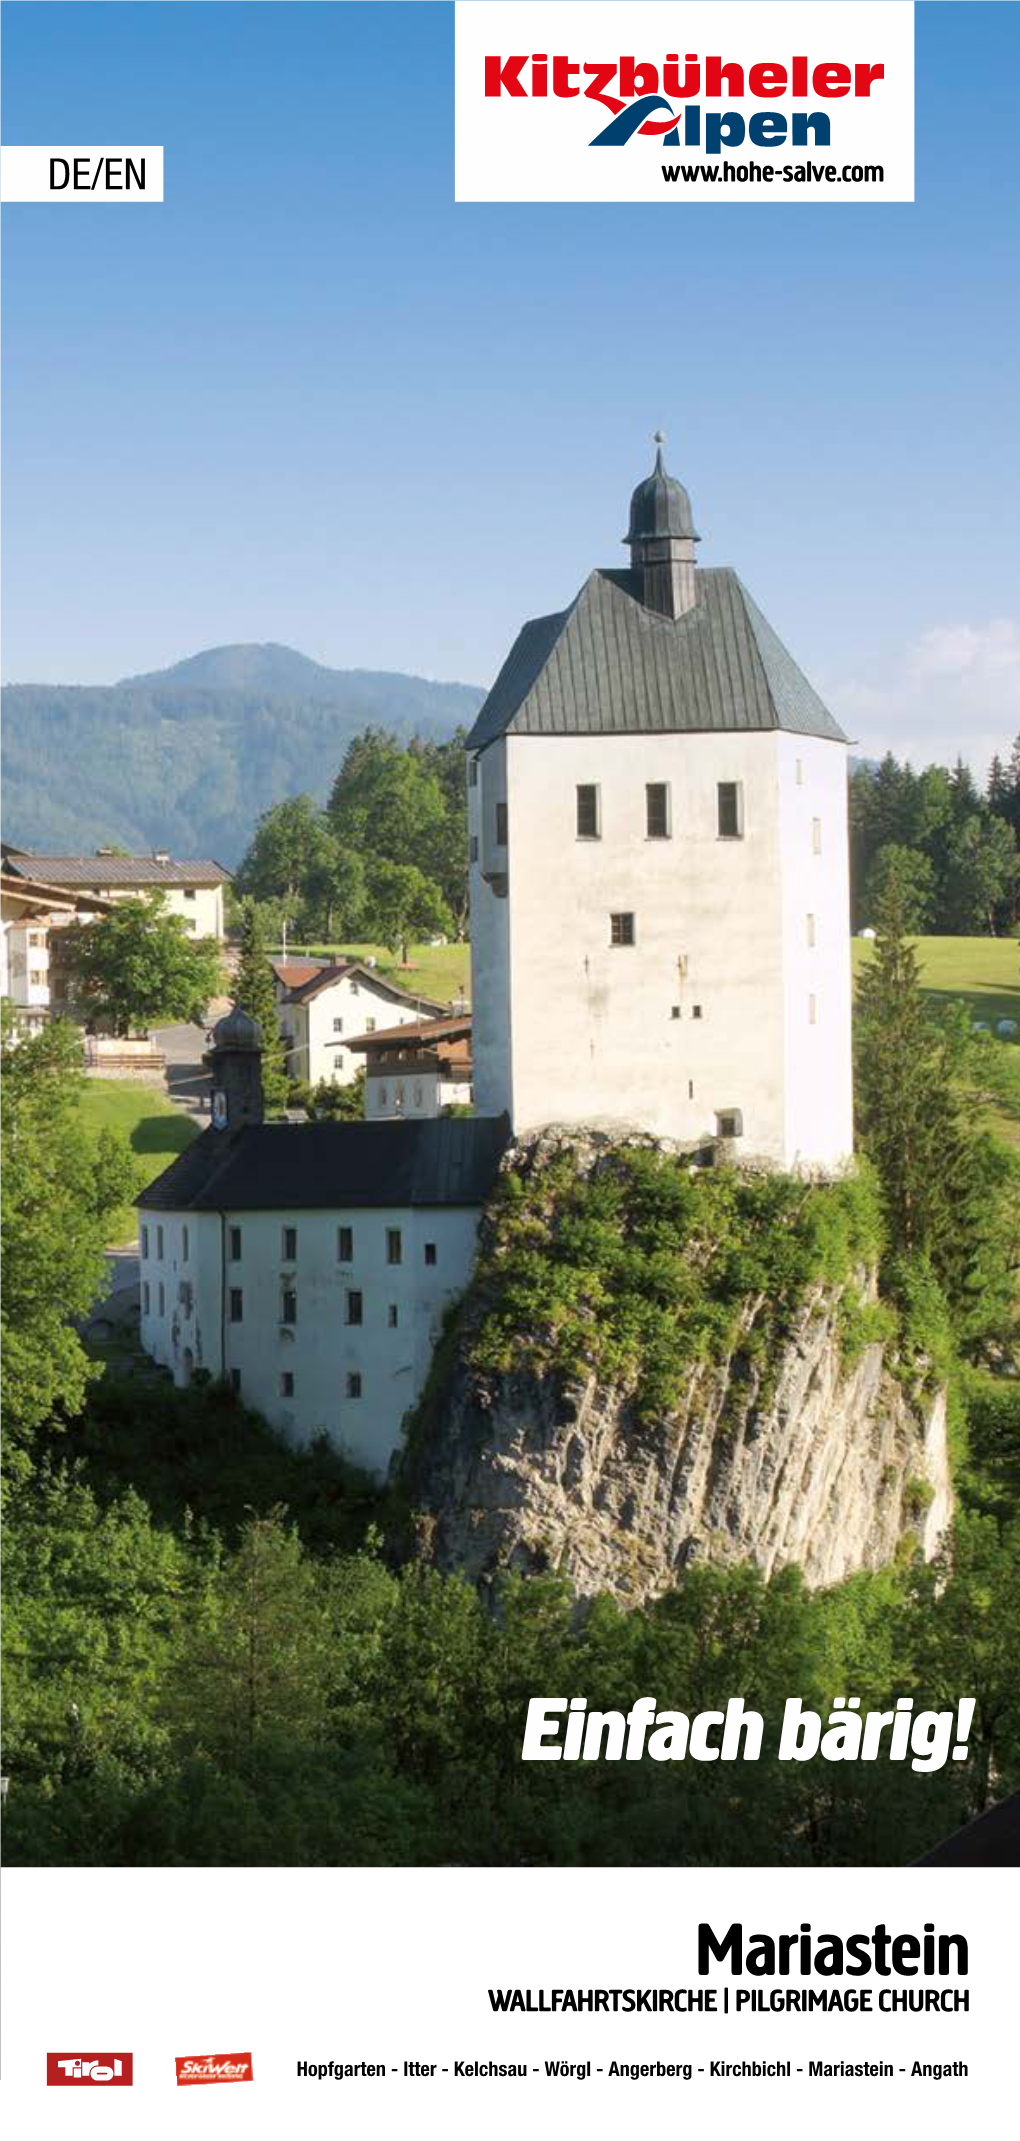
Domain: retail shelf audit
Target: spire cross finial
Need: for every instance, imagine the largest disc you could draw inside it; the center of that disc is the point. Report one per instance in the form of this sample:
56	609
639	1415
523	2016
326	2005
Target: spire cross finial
659	438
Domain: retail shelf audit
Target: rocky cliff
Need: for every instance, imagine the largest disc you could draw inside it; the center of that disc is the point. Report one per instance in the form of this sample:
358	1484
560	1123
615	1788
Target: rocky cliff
791	1444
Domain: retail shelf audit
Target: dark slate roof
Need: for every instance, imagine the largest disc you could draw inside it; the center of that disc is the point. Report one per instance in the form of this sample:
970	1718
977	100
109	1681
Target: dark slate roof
609	666
120	870
295	1167
660	507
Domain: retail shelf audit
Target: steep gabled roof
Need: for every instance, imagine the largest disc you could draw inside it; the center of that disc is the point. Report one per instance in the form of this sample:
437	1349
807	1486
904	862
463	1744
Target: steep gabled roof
326	977
296	1167
610	666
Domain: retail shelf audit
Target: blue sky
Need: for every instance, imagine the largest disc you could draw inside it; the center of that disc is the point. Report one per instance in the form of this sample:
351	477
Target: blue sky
311	399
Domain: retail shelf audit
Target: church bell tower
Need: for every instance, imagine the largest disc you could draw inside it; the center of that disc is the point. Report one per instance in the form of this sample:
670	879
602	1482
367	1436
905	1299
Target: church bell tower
662	538
235	1061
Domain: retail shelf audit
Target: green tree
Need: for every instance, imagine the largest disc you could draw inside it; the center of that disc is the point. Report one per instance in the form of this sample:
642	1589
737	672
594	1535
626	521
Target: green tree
408	807
138	967
915	881
981	875
907	1104
59	1191
255	992
404	906
291	857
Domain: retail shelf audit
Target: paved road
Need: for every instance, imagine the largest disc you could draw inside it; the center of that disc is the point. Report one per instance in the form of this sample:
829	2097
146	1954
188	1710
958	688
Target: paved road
187	1082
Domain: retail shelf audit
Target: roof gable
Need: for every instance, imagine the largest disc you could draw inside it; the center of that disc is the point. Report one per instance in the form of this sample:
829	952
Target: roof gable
610	666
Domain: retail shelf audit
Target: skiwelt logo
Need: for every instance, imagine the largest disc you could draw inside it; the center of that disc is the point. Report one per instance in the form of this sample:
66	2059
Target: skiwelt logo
214	2067
770	100
86	2069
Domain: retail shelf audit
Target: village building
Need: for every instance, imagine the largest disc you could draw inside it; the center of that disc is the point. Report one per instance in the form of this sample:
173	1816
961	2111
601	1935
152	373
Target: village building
659	940
29	909
321	1007
310	1265
191	889
416	1069
659	865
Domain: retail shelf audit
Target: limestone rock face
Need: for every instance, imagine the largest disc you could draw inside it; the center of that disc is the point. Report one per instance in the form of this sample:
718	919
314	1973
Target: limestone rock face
828	1467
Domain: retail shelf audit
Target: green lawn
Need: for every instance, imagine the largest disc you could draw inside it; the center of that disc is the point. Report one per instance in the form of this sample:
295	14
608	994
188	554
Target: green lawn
153	1127
440	971
982	971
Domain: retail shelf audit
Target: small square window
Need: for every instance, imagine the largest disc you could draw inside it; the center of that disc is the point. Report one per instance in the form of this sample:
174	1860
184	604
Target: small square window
729	1123
235	1245
589	816
431	1256
236	1305
235	1381
287	1383
145	1241
289	1244
675	1012
731	810
621	929
345	1245
288	1305
394	1246
190	893
393	1315
354	1385
162	1299
657	824
353	1308
338	1025
695	1010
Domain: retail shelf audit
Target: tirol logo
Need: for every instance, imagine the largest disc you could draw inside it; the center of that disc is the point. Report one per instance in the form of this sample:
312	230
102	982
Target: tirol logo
215	2067
71	2069
635	90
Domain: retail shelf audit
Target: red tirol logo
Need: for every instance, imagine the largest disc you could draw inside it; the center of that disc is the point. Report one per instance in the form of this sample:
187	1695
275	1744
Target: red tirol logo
215	2067
69	2069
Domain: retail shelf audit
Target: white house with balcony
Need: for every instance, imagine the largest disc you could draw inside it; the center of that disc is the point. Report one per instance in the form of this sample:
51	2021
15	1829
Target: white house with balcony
323	1007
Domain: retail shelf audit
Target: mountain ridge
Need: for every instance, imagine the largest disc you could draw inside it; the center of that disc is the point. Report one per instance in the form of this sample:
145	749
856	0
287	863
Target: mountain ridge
180	758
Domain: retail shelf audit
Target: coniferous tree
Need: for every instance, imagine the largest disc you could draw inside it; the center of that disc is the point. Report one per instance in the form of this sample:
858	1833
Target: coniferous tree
255	992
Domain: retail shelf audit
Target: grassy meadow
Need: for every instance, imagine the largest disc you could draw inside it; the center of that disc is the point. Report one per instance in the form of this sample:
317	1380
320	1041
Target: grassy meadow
439	970
155	1129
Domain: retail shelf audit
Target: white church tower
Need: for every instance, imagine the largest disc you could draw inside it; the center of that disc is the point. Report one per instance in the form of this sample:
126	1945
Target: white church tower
660	923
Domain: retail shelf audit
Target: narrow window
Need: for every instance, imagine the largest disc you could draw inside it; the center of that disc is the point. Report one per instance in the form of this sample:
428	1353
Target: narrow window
657	810
690	1089
417	1096
235	1381
589	821
430	1252
729	1123
159	1243
621	929
370	1025
184	1245
812	1010
473	773
695	1010
811	931
235	1245
287	1383
383	1097
816	836
800	773
162	1298
353	1308
731	810
394	1246
145	1296
355	988
675	1012
289	1244
338	1025
145	1241
345	1245
474	847
236	1305
354	1386
393	1316
501	825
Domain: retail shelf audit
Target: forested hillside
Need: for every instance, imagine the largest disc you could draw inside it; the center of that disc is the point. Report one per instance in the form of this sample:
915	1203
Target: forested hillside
190	757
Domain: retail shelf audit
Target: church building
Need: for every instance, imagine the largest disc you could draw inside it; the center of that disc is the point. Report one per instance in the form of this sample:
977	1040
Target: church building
660	916
660	939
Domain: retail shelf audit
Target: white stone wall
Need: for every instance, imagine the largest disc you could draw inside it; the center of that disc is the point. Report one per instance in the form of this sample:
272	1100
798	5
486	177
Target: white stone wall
28	963
412	1094
702	1014
322	1350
